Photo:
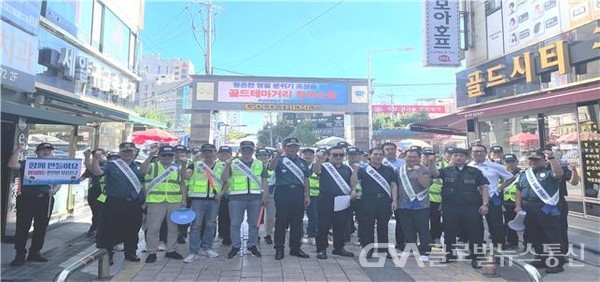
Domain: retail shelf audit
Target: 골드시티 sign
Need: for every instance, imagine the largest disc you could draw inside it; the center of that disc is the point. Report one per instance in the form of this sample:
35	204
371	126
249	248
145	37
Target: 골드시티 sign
51	171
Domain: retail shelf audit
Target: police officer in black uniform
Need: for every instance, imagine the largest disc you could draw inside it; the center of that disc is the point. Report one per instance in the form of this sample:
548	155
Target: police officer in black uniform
291	196
543	220
462	202
225	153
34	202
122	218
94	189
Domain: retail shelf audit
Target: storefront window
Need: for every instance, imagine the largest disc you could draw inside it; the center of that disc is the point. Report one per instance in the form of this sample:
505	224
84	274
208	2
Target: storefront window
561	131
115	38
75	17
517	135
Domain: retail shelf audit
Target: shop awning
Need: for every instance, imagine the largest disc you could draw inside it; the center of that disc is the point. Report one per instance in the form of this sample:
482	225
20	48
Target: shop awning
452	124
41	115
528	103
146	121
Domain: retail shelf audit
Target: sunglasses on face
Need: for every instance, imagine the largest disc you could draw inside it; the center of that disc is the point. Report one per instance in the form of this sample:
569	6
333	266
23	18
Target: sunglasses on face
338	155
261	155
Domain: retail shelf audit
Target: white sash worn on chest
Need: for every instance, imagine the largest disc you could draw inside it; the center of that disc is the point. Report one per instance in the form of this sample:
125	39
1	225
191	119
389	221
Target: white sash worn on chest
131	176
247	171
388	163
161	178
206	168
408	188
539	189
294	169
339	180
379	179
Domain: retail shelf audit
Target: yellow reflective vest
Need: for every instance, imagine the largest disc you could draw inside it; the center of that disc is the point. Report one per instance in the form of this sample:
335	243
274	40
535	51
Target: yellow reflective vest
240	184
198	184
167	191
102	197
511	191
313	182
435	190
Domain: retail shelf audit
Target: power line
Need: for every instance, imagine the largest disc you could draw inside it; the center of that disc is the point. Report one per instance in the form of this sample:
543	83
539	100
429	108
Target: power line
286	36
230	71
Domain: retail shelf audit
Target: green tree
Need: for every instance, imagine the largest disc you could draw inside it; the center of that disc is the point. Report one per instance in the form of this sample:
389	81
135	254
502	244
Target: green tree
234	134
278	131
306	133
155	115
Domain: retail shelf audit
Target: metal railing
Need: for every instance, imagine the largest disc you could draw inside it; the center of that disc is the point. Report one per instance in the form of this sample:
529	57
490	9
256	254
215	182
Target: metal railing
103	265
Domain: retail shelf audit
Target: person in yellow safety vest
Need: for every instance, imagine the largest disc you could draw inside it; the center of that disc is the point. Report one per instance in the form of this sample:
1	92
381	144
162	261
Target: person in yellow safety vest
165	194
435	199
182	158
512	240
94	189
308	155
264	155
205	189
247	178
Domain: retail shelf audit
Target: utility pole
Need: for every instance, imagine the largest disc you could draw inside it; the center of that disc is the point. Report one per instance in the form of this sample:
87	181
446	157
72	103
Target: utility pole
208	58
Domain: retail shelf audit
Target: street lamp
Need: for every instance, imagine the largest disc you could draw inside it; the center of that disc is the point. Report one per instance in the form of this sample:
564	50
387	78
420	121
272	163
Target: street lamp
370	83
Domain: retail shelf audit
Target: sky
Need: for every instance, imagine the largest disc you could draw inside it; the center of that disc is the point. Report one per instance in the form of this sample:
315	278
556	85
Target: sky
304	39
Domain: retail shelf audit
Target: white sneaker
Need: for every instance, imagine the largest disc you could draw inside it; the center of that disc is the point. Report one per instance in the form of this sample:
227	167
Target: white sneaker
406	254
190	258
119	247
211	253
161	246
424	258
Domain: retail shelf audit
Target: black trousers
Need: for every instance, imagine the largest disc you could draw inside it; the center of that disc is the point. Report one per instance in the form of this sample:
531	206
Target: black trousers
495	222
351	228
466	218
375	210
509	214
224	222
95	206
546	231
327	218
32	208
121	222
563	207
400	240
416	222
289	210
435	218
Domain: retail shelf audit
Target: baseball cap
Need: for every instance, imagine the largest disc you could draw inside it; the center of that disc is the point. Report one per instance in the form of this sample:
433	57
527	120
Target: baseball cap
428	151
537	154
322	150
414	147
196	150
44	145
510	158
225	149
112	154
308	150
166	150
247	144
460	151
262	151
343	144
181	148
496	149
291	141
353	151
98	149
127	146
449	150
207	147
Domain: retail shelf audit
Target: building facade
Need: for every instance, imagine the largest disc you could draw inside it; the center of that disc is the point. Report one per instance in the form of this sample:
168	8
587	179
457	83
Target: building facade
71	74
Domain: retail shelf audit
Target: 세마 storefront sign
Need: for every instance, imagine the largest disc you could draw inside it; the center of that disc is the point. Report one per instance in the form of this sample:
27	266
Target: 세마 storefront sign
51	171
283	92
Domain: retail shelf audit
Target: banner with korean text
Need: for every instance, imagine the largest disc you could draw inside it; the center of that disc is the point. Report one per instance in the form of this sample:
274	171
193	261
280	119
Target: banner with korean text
442	38
282	92
51	171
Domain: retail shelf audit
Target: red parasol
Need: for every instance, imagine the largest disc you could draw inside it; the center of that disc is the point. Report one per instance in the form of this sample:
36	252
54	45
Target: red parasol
524	138
154	134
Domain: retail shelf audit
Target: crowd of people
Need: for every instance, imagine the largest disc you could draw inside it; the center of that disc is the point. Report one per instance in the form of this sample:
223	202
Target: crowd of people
429	194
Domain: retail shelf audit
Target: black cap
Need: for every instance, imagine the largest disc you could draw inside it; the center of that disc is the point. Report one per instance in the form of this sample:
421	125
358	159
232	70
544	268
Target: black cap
322	150
126	146
247	144
428	151
449	150
96	150
112	154
196	150
207	147
166	150
308	150
415	147
343	144
537	154
225	149
460	151
181	148
510	158
44	145
353	151
262	151
291	141
496	149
